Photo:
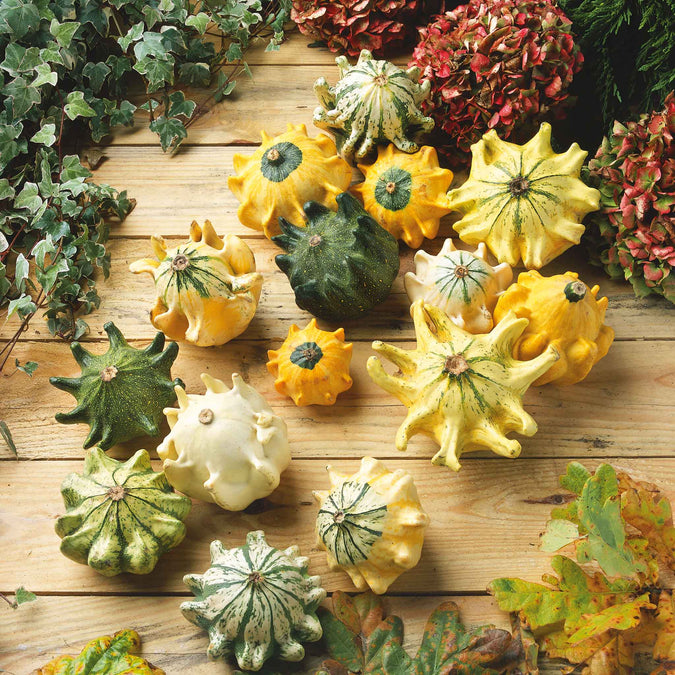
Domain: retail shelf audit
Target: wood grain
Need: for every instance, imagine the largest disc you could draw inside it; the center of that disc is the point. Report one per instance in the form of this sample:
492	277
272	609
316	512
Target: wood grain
485	523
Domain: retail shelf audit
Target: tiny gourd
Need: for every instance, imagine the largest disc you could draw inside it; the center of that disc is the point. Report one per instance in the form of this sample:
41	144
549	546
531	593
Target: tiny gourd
225	446
312	365
563	313
256	602
207	289
405	193
371	524
120	516
341	264
282	174
463	390
523	201
120	394
373	102
460	283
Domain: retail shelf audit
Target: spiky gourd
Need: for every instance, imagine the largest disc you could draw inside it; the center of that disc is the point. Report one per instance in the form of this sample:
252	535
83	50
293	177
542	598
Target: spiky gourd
463	390
256	602
405	193
226	446
341	264
563	313
371	524
120	516
460	283
312	365
282	174
120	394
373	102
207	289
523	201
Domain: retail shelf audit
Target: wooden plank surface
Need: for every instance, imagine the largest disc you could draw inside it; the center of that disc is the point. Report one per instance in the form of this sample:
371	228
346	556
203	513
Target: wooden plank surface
485	521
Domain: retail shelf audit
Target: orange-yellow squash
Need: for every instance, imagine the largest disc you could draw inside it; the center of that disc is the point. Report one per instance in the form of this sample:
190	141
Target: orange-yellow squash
282	174
405	193
312	365
207	288
563	313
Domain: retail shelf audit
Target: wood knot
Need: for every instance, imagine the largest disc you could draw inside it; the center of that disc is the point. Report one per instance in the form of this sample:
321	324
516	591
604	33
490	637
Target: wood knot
108	373
456	365
206	416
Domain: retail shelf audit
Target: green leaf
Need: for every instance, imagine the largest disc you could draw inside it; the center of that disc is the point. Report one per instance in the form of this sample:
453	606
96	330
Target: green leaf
9	146
23	306
23	96
45	75
63	32
21	595
389	632
76	106
6	192
7	437
195	74
159	72
28	198
21	268
342	644
198	21
29	367
559	533
46	135
575	478
134	34
179	106
19	60
17	18
72	168
96	73
171	131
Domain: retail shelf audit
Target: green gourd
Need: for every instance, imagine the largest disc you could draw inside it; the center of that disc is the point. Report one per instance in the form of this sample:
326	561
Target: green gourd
256	602
341	264
120	516
120	394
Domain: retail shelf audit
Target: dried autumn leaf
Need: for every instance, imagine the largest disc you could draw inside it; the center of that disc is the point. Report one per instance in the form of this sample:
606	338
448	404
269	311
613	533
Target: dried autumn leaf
107	655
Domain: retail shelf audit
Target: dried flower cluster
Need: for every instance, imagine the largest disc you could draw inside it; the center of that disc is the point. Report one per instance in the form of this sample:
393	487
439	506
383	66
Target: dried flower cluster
505	65
635	168
348	26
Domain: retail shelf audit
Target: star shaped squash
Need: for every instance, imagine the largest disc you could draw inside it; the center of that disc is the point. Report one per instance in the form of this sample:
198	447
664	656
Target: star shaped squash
523	201
463	390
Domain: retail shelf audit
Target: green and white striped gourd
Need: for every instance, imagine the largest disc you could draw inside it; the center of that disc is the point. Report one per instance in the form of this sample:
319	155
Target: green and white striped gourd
462	284
373	102
120	516
256	602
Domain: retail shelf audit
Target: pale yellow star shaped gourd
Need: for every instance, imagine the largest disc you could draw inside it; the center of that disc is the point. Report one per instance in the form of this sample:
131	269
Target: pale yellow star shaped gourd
463	390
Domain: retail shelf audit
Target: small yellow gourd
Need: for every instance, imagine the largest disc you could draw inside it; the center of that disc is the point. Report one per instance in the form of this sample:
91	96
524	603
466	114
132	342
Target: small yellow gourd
371	524
563	313
405	193
523	201
462	284
207	288
312	365
282	174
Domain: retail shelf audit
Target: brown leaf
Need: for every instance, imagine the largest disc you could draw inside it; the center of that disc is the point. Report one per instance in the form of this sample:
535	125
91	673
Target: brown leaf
371	611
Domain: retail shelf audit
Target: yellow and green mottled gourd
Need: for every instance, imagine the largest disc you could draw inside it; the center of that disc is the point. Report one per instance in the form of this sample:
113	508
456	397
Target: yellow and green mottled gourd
371	524
463	390
405	193
373	102
120	516
207	288
282	174
312	365
524	201
256	602
563	313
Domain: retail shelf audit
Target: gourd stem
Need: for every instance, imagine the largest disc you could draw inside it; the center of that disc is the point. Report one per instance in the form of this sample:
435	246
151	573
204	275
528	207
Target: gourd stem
180	262
575	291
456	364
108	373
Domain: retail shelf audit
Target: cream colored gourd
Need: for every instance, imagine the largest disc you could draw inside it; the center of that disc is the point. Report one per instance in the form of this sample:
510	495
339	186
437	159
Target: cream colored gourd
371	524
524	201
463	390
207	288
460	283
226	446
563	312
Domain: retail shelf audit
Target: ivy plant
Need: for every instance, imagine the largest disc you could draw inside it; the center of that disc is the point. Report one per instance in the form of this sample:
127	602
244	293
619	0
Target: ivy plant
67	71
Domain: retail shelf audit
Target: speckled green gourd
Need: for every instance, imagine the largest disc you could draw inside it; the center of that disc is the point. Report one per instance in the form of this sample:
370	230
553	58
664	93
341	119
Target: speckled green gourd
120	394
120	516
341	264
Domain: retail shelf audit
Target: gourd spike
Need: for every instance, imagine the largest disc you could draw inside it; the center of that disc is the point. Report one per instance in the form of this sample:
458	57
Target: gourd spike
215	385
81	355
106	441
156	345
94	435
315	210
489	435
451	447
399	357
115	337
526	372
181	395
195	231
194	584
158	246
507	331
69	384
151	428
414	421
167	357
425	336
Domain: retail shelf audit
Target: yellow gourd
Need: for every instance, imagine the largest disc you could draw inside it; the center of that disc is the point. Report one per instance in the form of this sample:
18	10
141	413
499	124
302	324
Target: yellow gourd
523	201
405	193
563	313
463	390
207	288
312	365
282	174
371	524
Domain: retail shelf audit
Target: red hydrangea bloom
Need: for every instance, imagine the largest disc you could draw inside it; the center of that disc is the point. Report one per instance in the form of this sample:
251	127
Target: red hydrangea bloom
348	26
635	172
504	65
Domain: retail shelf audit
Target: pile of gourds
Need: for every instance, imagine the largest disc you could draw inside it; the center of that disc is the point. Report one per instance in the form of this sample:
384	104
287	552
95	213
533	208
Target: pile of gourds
481	342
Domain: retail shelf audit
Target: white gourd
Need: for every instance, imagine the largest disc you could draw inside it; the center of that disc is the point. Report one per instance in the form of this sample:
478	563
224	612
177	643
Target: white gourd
226	446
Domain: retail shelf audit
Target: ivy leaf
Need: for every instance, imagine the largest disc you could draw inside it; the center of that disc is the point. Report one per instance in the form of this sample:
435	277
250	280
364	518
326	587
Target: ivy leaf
46	135
23	96
17	18
179	106
72	168
20	60
6	192
63	32
45	75
171	131
96	73
76	106
198	21
29	367
7	437
28	198
21	595
20	271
